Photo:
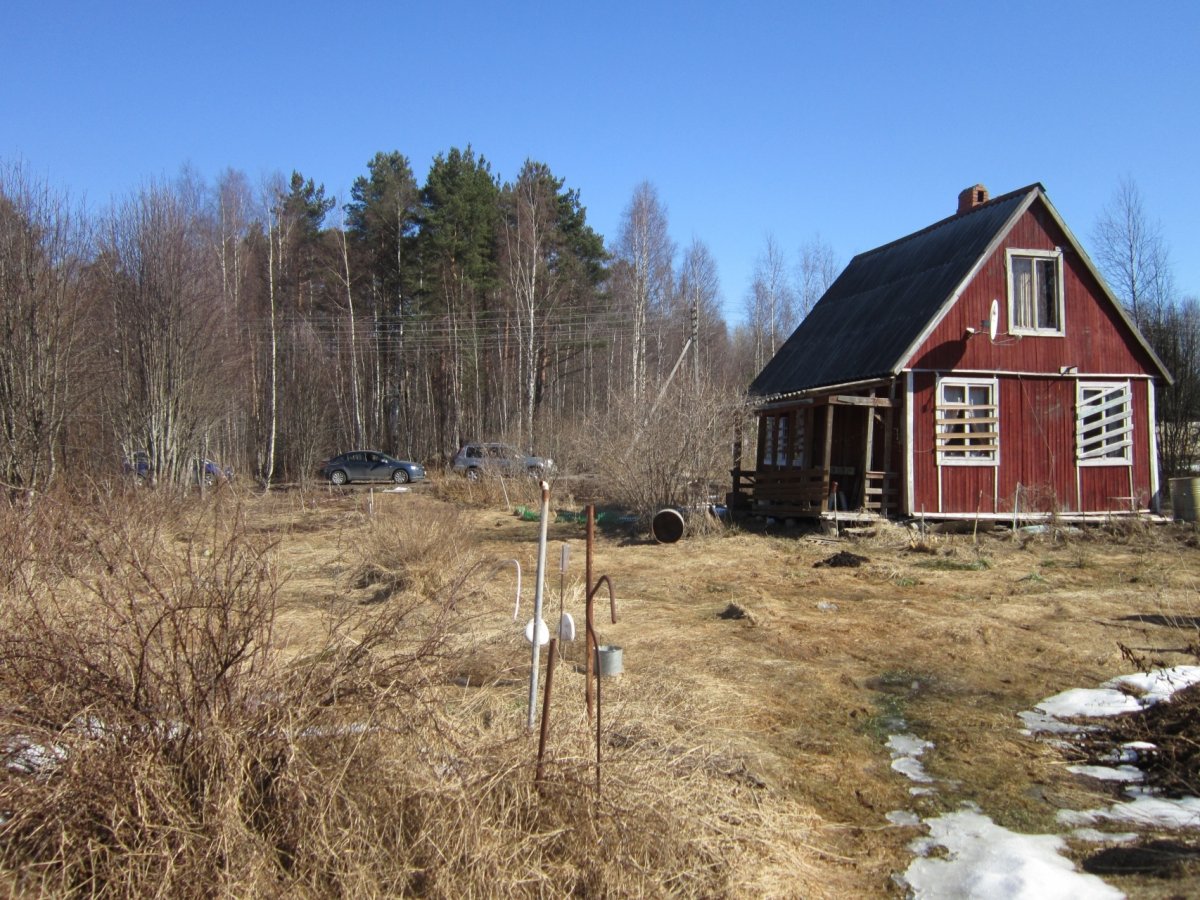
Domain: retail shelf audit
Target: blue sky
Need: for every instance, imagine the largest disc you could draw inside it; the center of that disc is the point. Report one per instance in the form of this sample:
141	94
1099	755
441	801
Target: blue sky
856	121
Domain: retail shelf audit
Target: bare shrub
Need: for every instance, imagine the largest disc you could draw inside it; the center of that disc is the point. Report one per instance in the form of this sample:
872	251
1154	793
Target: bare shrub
420	547
489	490
675	453
155	741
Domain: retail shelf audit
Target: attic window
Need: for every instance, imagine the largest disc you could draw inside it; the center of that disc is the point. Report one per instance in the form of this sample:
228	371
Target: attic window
1035	292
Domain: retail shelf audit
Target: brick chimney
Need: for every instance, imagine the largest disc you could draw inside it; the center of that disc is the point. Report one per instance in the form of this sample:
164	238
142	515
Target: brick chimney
971	198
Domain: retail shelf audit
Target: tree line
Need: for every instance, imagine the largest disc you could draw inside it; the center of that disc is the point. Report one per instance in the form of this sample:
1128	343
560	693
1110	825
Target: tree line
272	325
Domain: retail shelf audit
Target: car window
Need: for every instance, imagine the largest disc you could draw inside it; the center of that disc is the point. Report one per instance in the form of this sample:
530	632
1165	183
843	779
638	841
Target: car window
474	452
371	457
355	457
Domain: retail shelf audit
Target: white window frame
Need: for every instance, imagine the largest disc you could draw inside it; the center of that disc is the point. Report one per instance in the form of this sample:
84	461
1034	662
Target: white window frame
783	437
983	450
797	446
1014	327
1112	401
768	448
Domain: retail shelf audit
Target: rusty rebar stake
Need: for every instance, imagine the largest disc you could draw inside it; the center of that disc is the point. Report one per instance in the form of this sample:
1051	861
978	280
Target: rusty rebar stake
537	779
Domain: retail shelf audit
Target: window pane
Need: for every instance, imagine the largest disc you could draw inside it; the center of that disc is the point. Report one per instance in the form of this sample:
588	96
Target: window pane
1022	278
1047	283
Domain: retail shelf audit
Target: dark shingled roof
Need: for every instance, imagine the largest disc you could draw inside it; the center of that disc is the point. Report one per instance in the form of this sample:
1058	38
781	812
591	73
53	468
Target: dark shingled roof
880	304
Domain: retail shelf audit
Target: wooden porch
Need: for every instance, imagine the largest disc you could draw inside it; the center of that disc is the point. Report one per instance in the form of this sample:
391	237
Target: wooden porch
833	452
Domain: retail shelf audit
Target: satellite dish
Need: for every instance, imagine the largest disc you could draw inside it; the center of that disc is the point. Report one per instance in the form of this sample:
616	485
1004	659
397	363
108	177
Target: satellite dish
993	320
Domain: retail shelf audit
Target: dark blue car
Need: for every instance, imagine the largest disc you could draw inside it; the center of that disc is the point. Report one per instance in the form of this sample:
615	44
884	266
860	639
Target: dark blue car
370	465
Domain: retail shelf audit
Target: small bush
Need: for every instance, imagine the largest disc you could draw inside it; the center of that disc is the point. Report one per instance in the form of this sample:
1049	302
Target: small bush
675	453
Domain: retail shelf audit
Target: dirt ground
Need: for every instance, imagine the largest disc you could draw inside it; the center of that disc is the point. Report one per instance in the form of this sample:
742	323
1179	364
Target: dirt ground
796	673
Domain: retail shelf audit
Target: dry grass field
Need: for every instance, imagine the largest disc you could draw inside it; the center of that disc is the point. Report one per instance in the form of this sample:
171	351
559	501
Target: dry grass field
743	746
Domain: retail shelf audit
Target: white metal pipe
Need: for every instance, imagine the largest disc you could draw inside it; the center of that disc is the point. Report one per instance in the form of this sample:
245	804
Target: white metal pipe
538	592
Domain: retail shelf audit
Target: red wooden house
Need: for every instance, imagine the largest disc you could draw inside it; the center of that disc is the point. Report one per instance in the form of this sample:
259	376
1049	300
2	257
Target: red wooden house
977	368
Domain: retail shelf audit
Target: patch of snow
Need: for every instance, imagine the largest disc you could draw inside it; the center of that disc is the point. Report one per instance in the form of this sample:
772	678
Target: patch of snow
905	750
1160	684
911	769
1042	723
907	745
25	757
986	861
1091	702
1108	773
1123	694
903	817
1145	810
1095	836
1128	753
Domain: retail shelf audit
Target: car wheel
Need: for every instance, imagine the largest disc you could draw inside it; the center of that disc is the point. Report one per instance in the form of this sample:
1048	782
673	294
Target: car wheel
534	472
472	474
400	476
339	477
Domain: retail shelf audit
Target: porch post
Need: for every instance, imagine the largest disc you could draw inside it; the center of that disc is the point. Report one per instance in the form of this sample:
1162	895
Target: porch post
870	411
828	450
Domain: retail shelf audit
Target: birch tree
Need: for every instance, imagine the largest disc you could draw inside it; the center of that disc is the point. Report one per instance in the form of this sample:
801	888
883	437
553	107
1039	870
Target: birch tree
42	251
1132	254
772	303
816	269
645	249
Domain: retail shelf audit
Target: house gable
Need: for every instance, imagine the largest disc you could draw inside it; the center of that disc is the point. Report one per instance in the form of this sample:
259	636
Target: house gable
909	304
1095	337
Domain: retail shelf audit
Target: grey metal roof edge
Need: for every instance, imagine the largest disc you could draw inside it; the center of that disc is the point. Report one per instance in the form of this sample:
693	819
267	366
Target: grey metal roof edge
1091	267
772	399
997	239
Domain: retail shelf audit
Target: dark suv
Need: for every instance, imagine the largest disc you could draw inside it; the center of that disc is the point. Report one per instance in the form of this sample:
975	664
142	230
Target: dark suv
475	459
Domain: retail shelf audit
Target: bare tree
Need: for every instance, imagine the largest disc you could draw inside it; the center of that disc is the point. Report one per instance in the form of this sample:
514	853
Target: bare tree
698	299
816	269
1132	254
42	250
162	285
1133	257
772	303
1174	332
646	250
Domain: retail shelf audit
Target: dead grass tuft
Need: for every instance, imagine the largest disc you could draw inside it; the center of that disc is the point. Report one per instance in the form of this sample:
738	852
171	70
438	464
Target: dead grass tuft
156	742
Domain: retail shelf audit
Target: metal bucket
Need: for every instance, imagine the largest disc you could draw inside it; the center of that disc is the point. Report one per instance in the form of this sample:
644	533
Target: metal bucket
667	526
1185	498
611	662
